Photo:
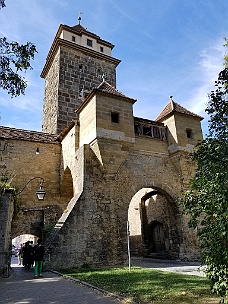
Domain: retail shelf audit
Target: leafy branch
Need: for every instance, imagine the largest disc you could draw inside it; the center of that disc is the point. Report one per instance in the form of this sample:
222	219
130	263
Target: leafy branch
13	59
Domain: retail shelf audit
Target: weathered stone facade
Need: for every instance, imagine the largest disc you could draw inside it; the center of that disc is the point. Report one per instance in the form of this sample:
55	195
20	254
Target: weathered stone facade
104	169
72	71
24	155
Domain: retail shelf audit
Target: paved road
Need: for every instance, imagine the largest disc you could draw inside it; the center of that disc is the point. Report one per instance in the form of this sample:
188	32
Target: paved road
22	288
190	268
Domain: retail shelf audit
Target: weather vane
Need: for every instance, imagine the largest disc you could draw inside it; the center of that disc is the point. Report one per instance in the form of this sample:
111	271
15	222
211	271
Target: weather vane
79	18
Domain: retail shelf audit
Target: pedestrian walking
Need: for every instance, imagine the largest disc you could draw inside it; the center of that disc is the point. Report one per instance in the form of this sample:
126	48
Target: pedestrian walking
27	252
38	254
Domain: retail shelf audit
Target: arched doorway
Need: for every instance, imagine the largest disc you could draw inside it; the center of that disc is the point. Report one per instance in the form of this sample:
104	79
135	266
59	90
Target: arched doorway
18	243
154	229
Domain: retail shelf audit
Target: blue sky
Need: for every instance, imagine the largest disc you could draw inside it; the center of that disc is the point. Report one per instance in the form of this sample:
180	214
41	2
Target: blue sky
167	47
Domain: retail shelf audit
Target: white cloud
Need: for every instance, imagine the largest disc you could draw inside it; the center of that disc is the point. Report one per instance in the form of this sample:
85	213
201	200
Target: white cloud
210	64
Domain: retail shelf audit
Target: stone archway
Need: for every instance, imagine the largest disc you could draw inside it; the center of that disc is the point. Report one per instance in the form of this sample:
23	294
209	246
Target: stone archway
154	228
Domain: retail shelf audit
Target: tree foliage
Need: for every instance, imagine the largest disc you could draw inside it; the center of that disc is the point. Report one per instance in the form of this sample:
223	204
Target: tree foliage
14	58
2	3
207	200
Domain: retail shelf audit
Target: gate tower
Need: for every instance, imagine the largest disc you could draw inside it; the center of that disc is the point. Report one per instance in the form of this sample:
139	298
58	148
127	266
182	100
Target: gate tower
76	63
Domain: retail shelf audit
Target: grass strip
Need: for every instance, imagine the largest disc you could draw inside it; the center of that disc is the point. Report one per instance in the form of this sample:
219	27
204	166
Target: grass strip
148	286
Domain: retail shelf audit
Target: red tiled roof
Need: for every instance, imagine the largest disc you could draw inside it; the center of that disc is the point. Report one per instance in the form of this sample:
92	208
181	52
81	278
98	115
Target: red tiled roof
148	121
108	88
80	29
19	134
174	107
64	132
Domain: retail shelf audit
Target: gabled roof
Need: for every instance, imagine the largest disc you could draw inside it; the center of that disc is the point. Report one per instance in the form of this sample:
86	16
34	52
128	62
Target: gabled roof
79	28
173	107
19	134
107	89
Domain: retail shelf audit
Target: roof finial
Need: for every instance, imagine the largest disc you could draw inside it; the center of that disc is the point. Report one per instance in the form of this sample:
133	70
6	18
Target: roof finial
103	77
79	18
171	98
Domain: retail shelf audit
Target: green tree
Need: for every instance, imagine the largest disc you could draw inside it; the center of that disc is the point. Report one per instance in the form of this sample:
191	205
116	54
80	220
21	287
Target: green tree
207	200
14	58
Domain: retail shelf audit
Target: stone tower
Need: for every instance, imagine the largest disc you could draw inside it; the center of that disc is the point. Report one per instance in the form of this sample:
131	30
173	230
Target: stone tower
76	63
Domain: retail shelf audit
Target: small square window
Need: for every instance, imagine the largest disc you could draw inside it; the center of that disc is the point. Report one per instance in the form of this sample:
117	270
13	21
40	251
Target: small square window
115	117
189	133
89	42
73	38
102	49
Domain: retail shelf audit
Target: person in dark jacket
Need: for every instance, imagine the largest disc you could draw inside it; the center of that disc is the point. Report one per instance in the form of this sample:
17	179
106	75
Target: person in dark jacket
38	255
27	255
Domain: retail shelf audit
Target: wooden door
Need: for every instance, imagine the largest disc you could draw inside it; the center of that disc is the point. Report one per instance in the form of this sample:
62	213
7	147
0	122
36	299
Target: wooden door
158	238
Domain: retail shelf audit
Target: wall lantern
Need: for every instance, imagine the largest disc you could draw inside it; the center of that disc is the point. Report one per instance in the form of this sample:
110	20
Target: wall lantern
40	193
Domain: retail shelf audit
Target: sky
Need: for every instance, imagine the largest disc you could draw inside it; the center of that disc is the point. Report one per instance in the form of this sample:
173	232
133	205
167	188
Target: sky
166	47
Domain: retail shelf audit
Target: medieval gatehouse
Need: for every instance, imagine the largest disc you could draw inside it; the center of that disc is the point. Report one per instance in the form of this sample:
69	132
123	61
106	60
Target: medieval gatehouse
101	167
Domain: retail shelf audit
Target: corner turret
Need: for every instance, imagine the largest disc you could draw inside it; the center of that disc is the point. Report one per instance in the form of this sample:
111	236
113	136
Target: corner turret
184	127
106	113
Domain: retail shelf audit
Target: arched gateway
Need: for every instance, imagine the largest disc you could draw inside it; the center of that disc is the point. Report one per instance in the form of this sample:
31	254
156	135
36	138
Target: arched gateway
104	166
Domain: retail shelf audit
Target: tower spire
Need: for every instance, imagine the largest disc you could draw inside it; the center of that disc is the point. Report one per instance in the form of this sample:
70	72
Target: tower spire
79	18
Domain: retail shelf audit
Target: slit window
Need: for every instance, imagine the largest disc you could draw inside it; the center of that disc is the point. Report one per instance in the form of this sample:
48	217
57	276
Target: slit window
89	42
73	38
101	49
115	117
189	133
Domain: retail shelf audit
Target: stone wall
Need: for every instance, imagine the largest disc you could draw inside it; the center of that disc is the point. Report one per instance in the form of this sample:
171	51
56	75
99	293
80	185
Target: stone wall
90	231
50	106
36	220
6	214
94	230
21	163
106	176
